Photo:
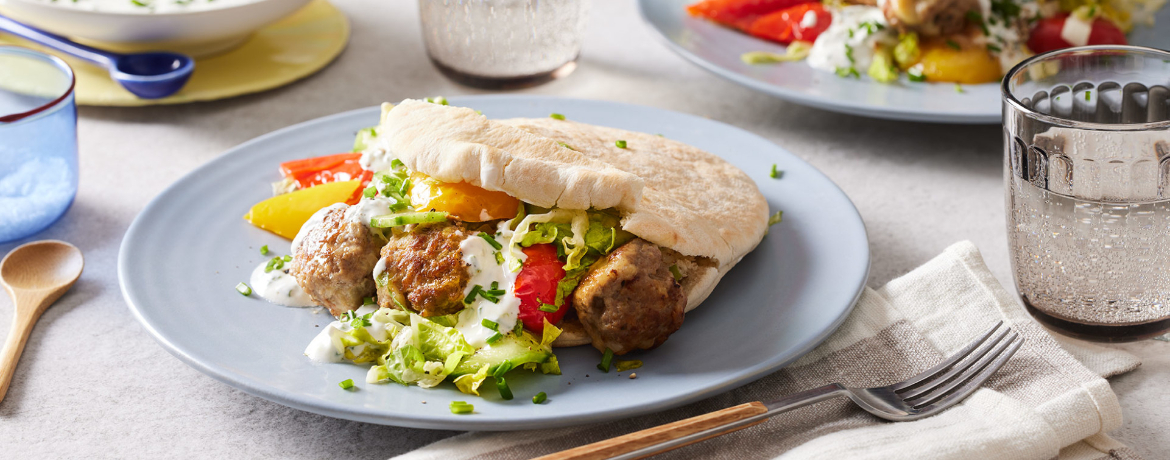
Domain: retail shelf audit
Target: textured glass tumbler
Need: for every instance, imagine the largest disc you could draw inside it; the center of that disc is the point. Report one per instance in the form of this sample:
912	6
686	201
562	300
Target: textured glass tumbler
38	141
1087	173
503	44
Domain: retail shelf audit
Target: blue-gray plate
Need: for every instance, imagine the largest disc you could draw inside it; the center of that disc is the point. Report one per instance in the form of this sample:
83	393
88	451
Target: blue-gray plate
185	252
717	49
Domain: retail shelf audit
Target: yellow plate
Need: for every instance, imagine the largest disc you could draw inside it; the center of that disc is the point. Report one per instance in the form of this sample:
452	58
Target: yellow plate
281	53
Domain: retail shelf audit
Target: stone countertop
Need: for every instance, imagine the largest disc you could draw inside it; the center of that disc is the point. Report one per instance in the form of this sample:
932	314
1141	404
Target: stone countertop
92	383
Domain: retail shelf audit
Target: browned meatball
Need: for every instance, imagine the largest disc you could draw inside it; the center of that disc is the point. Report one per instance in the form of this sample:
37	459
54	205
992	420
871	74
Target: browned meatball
425	268
334	261
629	300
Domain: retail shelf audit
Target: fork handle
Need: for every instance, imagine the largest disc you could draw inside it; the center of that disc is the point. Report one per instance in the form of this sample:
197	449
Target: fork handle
662	438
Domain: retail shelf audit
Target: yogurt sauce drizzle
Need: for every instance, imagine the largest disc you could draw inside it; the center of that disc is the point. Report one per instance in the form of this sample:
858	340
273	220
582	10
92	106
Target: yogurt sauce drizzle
480	257
279	287
326	347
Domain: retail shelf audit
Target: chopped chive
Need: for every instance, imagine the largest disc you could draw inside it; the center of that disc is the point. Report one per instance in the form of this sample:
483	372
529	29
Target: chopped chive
495	286
396	164
505	392
370	192
244	289
954	44
539	398
437	100
287	258
264	250
277	263
1087	93
993	48
776	173
556	116
492	241
623	366
471	295
499	258
494	338
959	89
620	144
676	273
368	301
461	407
562	144
776	218
490	324
605	360
346	384
547	308
398	220
519	328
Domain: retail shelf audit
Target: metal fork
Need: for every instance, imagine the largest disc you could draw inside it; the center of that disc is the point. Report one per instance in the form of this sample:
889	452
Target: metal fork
923	395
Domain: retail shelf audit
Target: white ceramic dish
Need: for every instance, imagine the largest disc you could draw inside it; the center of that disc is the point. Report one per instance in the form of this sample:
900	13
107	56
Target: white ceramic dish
717	49
185	252
198	32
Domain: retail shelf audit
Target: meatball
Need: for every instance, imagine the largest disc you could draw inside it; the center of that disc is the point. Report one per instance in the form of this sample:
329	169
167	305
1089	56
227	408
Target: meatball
929	17
630	300
333	262
425	268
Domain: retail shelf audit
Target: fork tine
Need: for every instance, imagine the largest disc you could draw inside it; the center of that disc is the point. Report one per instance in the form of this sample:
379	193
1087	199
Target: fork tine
972	379
930	373
960	367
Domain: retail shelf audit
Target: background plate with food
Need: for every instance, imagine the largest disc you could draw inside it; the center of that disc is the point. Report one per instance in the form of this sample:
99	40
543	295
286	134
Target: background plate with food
919	60
189	247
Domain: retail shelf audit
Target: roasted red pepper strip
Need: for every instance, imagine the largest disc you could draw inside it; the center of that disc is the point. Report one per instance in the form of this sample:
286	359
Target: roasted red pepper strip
788	25
367	176
330	168
536	285
739	14
1045	36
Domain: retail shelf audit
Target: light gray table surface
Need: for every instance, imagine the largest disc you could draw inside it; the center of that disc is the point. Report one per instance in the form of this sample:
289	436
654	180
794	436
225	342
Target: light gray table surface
93	384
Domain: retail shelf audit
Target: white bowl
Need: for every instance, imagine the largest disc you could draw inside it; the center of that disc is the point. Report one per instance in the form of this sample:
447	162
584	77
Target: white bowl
198	32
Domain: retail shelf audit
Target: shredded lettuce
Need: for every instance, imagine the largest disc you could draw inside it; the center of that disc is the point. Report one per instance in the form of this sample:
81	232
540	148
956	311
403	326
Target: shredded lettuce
469	383
364	138
577	234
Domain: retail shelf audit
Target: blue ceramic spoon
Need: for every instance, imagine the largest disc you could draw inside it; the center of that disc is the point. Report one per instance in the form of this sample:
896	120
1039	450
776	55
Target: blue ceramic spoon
150	75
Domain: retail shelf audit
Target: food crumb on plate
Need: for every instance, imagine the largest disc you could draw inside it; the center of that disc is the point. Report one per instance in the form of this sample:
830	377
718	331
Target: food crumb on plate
633	376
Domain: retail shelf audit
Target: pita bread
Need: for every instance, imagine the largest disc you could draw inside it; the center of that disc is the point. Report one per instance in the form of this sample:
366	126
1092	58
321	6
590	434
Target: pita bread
669	193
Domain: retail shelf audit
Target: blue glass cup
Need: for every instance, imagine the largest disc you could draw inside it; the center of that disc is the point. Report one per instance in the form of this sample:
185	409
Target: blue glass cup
38	141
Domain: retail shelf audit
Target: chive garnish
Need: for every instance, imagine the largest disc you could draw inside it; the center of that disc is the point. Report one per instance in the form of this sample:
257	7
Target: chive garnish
370	192
471	295
539	398
264	250
490	324
620	144
492	241
398	220
368	301
494	338
776	173
776	218
505	392
547	308
954	44
499	258
244	289
562	144
346	384
286	258
1087	93
461	407
676	273
556	116
605	360
623	366
519	328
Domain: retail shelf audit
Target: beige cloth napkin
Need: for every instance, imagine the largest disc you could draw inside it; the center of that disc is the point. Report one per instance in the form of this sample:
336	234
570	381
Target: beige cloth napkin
1050	401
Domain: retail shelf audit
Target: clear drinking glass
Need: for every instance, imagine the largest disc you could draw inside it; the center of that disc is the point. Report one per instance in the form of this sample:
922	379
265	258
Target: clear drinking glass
38	141
499	44
1087	172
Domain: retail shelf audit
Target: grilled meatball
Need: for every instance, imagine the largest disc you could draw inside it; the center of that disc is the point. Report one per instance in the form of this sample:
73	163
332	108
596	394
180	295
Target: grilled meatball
425	268
630	300
334	260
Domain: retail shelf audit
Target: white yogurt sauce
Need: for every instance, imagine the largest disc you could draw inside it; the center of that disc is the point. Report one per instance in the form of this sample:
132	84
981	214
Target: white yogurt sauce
829	52
480	257
368	208
279	287
376	157
326	347
809	20
147	6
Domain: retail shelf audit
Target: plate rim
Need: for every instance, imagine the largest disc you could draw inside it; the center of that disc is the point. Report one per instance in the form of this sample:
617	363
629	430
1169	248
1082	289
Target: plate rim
430	421
847	107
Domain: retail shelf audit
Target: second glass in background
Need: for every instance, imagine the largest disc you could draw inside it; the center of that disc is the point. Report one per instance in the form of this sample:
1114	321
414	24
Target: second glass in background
1087	171
499	44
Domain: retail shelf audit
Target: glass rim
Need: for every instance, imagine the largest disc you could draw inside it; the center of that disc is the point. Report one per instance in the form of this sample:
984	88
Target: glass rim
54	60
1011	100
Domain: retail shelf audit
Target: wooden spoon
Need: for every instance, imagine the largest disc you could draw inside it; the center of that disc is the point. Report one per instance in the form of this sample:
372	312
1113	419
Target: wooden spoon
35	275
